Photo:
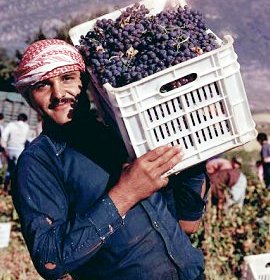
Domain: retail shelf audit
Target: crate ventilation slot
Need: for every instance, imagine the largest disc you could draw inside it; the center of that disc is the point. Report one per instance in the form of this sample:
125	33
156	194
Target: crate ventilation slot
213	112
170	128
164	110
202	94
204	124
178	126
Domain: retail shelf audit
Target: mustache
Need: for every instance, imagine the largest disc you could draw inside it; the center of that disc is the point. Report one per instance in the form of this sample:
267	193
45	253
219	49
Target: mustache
56	102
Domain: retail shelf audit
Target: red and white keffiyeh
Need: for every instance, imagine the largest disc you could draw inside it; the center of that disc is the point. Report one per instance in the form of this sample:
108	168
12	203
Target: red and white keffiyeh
45	59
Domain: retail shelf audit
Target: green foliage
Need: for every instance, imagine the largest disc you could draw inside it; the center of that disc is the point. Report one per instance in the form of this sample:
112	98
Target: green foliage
2	174
7	67
226	237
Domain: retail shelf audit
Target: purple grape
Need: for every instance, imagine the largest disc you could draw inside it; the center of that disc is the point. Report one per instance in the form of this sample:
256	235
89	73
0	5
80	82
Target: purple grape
136	45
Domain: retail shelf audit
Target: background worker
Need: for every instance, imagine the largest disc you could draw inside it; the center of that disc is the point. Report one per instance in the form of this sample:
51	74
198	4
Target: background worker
13	140
2	158
228	182
265	157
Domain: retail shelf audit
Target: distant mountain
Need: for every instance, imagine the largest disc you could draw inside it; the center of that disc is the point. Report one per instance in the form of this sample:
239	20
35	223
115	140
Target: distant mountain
246	20
22	18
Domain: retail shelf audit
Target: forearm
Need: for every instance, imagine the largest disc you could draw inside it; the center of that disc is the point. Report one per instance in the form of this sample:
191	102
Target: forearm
190	189
143	177
190	227
266	159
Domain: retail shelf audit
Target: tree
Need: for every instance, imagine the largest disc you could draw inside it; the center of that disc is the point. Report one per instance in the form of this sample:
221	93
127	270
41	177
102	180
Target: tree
7	67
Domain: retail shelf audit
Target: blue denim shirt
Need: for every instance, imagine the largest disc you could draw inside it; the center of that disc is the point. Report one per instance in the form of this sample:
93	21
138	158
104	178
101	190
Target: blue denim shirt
68	220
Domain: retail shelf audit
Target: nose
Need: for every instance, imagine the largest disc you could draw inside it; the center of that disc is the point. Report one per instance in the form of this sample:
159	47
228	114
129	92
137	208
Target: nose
58	91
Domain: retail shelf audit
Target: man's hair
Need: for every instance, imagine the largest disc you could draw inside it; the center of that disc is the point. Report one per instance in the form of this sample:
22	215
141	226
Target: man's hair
22	117
262	137
1	116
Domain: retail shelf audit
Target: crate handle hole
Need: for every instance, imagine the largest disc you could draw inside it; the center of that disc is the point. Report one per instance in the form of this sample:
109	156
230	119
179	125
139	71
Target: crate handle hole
267	265
178	83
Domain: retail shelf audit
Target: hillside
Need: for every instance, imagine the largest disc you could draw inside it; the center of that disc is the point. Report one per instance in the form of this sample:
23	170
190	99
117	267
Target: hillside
246	20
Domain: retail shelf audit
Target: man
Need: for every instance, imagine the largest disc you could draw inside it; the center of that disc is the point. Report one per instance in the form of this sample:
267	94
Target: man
2	160
13	140
2	119
228	183
15	135
82	215
265	157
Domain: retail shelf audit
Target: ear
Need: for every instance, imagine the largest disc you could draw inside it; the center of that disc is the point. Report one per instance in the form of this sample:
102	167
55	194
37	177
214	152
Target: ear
26	96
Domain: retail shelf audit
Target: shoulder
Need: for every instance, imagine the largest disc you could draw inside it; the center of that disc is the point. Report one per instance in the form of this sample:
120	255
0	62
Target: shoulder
37	164
23	125
8	125
40	148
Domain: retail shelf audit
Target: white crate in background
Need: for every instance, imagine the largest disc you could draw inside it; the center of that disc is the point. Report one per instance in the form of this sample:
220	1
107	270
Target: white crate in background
206	117
257	267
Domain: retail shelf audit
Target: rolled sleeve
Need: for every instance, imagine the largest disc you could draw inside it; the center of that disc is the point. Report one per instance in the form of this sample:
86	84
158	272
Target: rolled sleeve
189	205
187	189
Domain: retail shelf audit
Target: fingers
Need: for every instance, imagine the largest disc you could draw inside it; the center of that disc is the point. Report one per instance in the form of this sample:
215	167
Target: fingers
156	153
168	156
170	163
161	159
168	166
164	181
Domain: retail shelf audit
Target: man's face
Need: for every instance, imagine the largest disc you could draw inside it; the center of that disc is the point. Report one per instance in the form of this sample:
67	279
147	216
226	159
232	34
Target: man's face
56	97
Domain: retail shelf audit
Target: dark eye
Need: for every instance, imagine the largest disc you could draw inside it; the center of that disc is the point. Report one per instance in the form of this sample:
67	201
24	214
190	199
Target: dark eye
67	77
39	86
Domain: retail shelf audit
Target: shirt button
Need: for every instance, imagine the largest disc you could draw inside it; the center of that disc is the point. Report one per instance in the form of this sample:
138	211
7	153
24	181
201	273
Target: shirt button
156	224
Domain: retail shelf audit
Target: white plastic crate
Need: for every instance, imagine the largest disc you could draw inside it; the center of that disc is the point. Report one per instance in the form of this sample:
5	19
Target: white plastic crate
257	267
206	117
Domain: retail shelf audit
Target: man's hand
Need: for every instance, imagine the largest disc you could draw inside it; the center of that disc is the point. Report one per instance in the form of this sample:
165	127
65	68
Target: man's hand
143	177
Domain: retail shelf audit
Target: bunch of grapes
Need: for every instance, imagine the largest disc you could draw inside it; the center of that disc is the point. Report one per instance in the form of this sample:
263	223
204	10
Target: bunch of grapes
137	45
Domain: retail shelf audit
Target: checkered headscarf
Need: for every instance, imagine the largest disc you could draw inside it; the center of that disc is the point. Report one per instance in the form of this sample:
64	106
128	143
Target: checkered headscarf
45	59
